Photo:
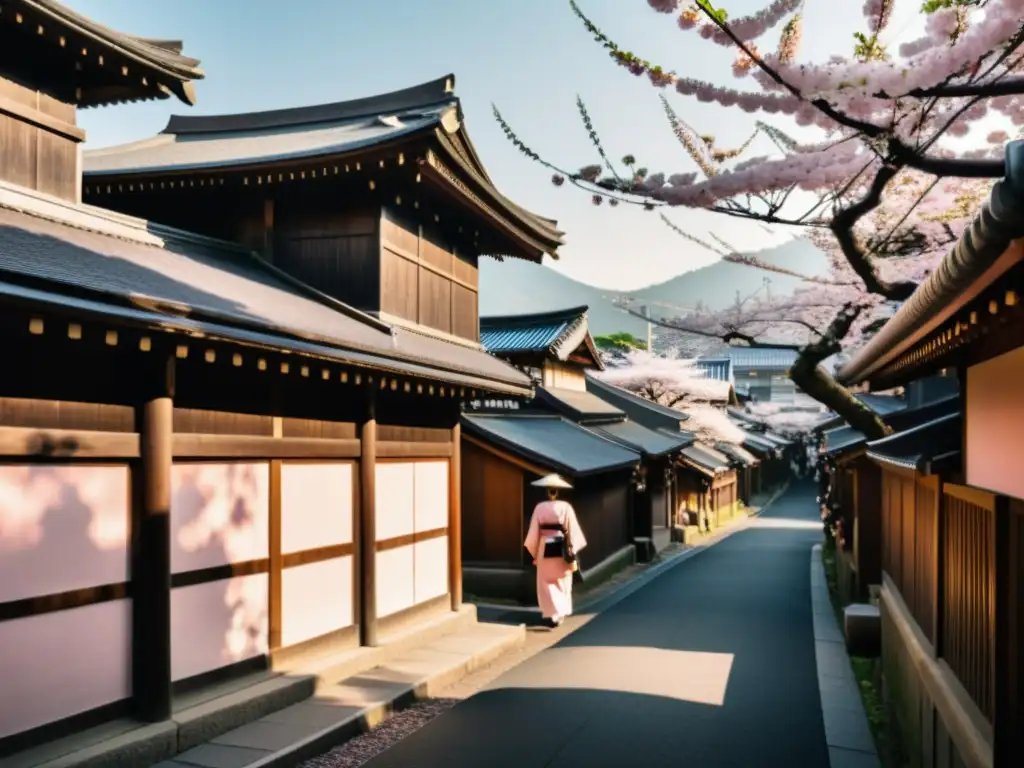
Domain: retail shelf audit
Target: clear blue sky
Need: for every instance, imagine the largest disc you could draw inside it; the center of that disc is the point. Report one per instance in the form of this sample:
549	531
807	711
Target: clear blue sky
530	57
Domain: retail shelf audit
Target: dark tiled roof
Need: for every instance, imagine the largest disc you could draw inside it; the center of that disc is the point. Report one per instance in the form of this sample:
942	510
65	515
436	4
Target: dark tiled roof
704	458
965	271
555	334
640	410
917	447
582	407
162	58
883	405
776	438
553	442
171	277
739	455
762	358
430	113
756	443
846	437
652	442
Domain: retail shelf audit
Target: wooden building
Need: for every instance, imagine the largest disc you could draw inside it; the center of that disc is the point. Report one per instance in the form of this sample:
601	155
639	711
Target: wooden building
858	494
703	488
211	469
953	568
562	430
379	202
554	348
502	454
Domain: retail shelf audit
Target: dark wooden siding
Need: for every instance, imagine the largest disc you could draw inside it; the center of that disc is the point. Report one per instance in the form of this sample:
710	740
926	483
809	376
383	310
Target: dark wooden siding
64	414
34	157
334	250
968	591
867	533
493	518
424	279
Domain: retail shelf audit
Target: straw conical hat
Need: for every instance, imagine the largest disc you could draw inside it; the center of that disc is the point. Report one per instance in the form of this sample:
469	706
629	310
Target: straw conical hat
551	481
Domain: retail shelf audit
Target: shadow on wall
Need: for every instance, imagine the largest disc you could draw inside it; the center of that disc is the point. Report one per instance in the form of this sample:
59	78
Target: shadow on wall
62	527
219	516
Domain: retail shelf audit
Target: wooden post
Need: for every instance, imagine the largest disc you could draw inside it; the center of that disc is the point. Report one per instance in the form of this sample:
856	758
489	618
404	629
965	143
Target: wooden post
151	545
367	526
455	519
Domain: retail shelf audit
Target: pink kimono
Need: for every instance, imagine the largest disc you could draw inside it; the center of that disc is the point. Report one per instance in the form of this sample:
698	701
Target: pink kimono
554	575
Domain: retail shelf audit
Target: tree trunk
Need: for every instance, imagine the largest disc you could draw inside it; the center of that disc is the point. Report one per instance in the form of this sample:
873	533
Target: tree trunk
808	374
819	384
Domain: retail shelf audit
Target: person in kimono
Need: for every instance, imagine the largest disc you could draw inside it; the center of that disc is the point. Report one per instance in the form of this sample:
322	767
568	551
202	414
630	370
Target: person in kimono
553	526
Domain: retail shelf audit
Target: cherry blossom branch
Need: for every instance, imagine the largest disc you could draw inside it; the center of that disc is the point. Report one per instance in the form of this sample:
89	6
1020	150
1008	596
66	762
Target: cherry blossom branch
810	376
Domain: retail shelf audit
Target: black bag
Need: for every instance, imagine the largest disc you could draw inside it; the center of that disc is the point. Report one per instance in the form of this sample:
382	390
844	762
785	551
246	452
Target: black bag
558	546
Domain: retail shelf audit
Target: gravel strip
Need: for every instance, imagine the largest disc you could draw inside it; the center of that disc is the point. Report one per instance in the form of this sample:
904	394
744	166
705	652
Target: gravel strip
365	747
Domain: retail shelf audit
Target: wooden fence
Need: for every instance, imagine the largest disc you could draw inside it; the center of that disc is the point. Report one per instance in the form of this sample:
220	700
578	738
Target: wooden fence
956	556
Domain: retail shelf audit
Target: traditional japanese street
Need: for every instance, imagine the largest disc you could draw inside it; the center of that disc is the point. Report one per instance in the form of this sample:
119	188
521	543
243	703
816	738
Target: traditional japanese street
714	659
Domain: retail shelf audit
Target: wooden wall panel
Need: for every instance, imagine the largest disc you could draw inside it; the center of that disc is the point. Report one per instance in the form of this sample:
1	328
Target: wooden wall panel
493	510
65	414
342	266
57	169
18	151
436	254
399	286
465	313
466	270
327	430
197	421
404	235
391	433
435	301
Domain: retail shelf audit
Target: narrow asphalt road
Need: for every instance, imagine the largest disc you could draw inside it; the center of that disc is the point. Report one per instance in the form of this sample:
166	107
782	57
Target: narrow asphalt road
711	664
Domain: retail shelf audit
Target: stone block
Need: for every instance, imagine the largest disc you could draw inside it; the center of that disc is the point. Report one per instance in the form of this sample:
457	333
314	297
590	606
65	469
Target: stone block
862	626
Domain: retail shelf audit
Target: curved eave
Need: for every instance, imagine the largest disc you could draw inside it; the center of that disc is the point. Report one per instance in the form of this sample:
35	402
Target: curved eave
537	228
984	253
161	57
445	179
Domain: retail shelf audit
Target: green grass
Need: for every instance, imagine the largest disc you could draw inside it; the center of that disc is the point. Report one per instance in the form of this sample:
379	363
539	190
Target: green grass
868	673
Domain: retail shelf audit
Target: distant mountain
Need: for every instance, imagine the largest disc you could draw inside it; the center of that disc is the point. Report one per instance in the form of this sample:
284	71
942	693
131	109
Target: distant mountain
514	287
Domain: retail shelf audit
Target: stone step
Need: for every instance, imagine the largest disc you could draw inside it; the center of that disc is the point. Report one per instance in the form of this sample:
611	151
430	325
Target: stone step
203	715
342	710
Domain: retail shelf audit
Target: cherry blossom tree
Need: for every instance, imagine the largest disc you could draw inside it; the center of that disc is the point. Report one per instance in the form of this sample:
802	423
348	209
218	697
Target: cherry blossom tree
883	190
679	384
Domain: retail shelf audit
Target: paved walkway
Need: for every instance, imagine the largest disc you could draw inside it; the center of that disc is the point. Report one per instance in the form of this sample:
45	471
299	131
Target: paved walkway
712	664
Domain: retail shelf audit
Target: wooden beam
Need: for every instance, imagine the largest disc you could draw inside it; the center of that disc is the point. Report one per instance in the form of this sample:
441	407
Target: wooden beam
67	443
389	449
254	446
455	519
151	545
367	526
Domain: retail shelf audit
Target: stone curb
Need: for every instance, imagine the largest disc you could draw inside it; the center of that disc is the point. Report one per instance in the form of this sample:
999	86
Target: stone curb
847	734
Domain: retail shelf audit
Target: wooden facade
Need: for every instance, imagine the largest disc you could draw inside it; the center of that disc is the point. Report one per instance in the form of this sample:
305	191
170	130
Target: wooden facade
498	500
393	227
708	490
207	467
953	549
